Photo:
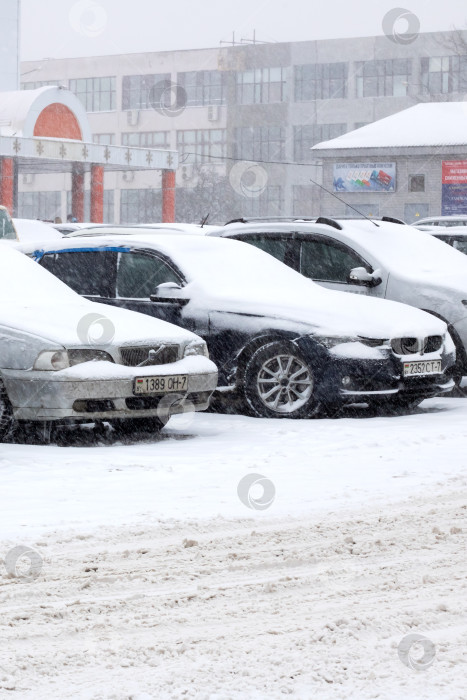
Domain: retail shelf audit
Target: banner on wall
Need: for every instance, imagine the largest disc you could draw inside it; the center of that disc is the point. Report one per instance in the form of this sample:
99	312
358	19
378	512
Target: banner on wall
454	187
364	177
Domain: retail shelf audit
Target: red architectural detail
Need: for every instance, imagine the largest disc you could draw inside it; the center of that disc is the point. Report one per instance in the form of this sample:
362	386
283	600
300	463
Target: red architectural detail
7	180
58	121
97	193
77	195
168	196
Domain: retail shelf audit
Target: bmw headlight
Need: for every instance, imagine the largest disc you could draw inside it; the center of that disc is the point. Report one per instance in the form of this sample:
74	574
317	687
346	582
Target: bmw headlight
196	348
330	342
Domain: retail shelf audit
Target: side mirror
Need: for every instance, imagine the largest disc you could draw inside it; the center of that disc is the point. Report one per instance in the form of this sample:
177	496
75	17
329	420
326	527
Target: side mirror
170	293
358	275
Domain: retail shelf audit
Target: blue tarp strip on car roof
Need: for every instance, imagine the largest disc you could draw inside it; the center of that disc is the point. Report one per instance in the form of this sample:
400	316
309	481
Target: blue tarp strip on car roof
39	254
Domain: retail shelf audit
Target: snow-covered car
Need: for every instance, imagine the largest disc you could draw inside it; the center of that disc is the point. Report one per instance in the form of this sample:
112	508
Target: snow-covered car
283	345
442	221
102	229
65	358
373	258
35	230
455	236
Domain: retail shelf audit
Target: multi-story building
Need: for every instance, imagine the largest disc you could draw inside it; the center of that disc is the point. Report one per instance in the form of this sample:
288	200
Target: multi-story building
243	118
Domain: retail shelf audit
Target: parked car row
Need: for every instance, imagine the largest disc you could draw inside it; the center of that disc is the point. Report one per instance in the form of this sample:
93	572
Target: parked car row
262	299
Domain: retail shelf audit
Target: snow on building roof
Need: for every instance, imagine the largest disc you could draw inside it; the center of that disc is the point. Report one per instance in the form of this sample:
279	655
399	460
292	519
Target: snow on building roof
424	125
20	110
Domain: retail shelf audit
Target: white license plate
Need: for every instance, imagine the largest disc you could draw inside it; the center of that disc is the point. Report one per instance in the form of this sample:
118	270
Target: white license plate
421	368
161	385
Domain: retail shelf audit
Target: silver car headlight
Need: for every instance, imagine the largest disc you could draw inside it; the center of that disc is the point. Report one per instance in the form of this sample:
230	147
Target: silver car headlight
52	360
196	348
55	360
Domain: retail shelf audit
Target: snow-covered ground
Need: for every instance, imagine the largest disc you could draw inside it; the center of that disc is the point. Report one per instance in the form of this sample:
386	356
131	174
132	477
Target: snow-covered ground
154	580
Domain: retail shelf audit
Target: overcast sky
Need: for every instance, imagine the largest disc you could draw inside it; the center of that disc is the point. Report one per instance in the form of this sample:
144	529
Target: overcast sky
67	28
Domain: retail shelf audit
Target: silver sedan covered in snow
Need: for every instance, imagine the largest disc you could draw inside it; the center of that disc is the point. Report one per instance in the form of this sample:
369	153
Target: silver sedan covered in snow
63	357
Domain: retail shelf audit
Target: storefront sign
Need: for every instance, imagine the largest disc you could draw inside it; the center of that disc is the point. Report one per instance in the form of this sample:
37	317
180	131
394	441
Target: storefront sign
454	187
364	177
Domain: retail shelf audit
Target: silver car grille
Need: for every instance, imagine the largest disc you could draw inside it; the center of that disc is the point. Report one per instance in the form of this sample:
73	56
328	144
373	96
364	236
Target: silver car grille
412	346
144	356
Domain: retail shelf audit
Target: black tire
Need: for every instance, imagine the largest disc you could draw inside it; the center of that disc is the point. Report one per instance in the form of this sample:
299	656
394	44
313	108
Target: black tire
6	414
295	379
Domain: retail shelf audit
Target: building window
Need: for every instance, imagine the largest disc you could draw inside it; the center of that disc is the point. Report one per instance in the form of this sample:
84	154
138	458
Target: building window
146	139
320	81
140	206
416	183
204	87
96	94
139	91
307	136
104	139
269	203
383	78
201	145
40	83
39	205
261	86
443	74
109	212
263	143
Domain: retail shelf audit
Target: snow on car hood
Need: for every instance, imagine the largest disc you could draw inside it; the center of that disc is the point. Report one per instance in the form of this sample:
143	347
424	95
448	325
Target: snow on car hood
34	301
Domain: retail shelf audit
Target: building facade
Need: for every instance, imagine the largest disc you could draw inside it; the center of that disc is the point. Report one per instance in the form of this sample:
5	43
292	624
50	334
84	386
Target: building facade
243	120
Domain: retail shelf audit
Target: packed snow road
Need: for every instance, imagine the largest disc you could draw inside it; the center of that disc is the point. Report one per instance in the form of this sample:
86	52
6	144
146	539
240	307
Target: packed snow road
148	570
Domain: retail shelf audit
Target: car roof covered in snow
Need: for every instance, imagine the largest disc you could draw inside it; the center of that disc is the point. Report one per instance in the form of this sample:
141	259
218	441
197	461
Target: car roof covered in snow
231	276
404	250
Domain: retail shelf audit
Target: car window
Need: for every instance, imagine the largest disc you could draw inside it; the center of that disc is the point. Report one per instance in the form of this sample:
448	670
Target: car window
90	273
327	262
7	229
460	244
139	274
276	247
